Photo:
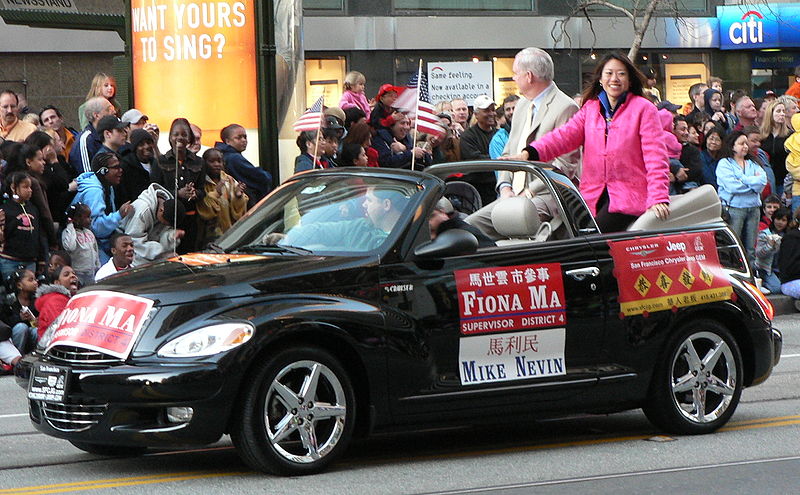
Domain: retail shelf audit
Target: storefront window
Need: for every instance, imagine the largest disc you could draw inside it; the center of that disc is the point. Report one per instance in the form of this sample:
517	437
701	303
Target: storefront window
464	4
323	4
689	6
324	77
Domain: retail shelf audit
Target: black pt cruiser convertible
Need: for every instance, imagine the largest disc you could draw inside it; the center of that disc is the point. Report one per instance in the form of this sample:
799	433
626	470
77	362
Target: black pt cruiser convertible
333	310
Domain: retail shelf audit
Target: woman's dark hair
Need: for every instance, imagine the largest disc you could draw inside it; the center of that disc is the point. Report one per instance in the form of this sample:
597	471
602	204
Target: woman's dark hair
38	139
782	212
201	179
635	77
53	276
353	115
14	180
719	132
359	134
20	164
727	145
184	122
13	279
350	152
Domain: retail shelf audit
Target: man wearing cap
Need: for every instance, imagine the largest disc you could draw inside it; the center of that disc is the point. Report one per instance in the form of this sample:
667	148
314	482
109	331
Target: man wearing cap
475	146
669	106
137	165
257	180
114	133
11	128
384	115
90	141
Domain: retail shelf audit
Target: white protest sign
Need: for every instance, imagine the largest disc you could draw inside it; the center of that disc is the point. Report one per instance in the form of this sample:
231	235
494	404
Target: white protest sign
467	80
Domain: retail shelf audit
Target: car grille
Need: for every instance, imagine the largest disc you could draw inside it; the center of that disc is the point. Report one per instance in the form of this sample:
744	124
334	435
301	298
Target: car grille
77	355
73	416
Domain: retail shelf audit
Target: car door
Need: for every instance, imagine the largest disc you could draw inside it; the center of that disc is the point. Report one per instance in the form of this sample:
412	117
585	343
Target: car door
513	327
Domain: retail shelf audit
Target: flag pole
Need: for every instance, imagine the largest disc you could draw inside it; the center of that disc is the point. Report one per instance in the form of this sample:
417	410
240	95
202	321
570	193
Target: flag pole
416	114
319	128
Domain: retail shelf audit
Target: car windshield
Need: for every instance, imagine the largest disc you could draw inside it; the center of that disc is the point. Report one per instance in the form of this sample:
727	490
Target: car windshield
328	214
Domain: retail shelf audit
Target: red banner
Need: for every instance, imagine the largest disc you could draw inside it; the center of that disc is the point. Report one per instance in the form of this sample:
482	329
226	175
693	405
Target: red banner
668	272
103	321
506	298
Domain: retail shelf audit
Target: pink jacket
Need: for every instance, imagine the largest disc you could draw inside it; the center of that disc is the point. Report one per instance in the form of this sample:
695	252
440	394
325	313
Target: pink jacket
631	162
674	147
350	99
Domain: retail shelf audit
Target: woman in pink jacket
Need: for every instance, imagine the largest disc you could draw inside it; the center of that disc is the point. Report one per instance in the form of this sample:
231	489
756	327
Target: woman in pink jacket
625	164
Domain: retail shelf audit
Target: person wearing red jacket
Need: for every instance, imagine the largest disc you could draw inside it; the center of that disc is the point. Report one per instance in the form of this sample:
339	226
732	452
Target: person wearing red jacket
51	299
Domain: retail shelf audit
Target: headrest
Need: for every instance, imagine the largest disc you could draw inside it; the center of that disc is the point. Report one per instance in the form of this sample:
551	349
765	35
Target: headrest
515	217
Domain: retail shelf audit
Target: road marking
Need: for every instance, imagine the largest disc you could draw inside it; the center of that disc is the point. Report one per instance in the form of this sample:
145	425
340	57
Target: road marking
115	482
4	416
790	355
614	476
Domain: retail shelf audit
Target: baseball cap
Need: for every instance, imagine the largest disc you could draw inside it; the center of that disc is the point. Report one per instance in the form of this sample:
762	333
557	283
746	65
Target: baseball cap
331	122
769	92
482	102
133	116
336	112
387	88
668	105
110	122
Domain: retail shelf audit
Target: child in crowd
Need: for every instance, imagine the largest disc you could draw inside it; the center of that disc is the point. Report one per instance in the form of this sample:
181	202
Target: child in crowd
767	248
56	261
20	311
674	149
52	298
384	115
771	203
225	201
23	242
79	241
353	94
789	260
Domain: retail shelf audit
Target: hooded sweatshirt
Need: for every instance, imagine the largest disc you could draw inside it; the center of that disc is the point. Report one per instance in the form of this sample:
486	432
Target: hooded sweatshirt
105	217
50	301
674	147
151	238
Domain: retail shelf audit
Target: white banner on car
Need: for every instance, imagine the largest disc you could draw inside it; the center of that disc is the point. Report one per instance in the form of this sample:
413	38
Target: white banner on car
511	356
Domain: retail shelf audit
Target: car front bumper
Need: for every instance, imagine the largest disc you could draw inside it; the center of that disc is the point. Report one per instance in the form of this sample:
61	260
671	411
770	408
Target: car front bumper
127	405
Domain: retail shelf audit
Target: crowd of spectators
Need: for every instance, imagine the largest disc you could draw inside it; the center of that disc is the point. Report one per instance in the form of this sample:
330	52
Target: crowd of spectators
80	205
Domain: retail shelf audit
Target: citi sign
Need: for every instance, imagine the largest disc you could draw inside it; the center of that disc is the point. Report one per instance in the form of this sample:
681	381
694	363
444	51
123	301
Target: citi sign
749	30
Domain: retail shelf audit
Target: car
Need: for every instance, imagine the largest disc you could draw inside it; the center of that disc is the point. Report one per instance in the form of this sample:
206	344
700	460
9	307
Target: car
331	311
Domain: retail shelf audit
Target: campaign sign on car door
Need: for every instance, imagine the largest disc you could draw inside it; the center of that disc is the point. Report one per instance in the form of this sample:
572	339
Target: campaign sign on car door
668	272
103	321
505	298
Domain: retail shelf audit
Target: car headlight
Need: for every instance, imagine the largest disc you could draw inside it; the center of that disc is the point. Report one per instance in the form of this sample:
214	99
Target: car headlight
209	340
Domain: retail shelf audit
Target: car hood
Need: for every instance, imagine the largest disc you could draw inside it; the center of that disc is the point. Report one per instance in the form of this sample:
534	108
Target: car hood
201	276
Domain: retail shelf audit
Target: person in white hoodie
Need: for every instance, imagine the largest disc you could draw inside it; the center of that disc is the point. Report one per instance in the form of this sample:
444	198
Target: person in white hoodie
79	241
151	226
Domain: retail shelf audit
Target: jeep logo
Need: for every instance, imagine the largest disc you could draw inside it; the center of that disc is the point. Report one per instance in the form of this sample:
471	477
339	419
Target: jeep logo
676	246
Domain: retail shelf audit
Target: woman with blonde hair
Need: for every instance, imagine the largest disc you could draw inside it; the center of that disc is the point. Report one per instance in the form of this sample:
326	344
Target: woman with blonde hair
353	95
102	85
774	131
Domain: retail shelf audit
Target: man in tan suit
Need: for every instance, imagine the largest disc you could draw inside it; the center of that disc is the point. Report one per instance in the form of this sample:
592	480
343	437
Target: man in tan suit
542	108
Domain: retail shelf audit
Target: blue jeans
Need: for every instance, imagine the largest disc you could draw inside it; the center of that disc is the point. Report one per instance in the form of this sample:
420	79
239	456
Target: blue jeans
744	223
24	337
770	281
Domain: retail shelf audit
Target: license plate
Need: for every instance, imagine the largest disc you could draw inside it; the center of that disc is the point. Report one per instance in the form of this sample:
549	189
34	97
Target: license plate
48	382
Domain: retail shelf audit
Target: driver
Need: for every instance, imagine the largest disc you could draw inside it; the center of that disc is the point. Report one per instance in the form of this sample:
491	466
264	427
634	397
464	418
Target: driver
383	208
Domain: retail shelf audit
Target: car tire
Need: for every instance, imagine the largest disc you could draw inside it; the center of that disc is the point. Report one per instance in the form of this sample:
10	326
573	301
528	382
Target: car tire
698	381
297	415
109	450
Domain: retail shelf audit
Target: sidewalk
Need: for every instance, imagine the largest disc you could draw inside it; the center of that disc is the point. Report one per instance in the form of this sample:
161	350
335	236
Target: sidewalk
784	305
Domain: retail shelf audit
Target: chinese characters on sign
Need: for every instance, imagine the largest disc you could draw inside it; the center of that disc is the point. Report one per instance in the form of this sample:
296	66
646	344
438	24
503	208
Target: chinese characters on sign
502	299
103	321
666	272
515	356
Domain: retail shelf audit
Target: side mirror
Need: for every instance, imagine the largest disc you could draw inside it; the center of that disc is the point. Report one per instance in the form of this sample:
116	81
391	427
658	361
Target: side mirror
453	242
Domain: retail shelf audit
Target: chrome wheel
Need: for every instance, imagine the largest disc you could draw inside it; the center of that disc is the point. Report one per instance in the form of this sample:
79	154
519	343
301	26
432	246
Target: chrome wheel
698	380
704	377
305	411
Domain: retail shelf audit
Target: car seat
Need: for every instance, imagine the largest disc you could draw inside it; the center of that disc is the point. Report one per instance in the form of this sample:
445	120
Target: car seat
463	196
518	220
696	207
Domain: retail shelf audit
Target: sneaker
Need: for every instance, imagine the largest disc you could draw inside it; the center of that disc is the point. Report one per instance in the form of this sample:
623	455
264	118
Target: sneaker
7	369
765	291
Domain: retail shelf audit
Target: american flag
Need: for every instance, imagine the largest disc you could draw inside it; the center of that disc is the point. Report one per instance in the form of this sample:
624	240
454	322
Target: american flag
311	120
417	94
